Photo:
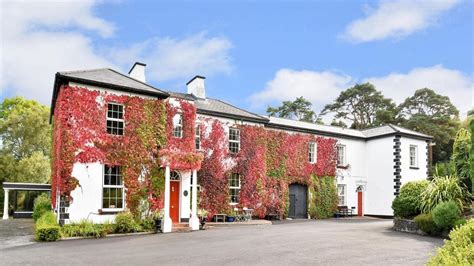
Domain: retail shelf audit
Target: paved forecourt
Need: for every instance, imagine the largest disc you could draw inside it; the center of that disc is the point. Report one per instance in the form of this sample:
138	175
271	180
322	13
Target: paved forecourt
340	241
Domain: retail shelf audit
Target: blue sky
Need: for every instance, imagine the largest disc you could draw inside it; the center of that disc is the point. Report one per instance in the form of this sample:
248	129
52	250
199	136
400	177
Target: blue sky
254	54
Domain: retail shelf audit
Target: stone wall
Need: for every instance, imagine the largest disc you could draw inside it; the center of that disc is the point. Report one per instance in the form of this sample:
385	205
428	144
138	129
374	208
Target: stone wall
405	225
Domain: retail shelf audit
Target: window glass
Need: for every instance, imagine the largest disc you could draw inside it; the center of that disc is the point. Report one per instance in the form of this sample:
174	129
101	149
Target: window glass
178	126
234	186
413	156
234	140
115	119
113	189
312	152
341	155
198	137
341	193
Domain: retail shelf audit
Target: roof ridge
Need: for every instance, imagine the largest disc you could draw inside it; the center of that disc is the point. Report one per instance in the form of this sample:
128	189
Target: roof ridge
83	70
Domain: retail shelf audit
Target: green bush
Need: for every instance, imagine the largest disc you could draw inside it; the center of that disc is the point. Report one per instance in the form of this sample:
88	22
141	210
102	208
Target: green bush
459	222
446	214
41	205
147	224
407	204
459	249
84	228
47	228
323	203
426	224
442	189
125	223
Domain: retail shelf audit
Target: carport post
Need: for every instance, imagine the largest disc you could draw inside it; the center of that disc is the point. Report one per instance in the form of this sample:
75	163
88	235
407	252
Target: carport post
5	204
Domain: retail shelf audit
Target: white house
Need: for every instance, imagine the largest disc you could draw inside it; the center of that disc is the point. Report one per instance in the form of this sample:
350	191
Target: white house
372	164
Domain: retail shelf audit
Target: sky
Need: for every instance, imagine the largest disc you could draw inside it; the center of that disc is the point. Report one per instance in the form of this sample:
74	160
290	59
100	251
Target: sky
252	53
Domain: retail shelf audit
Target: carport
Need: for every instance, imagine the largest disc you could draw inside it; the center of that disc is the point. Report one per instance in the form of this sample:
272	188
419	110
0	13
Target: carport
24	195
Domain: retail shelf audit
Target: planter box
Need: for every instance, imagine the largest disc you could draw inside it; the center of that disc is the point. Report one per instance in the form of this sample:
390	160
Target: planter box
406	225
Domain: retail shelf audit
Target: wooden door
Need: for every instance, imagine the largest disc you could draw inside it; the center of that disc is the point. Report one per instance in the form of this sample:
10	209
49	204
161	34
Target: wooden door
298	201
174	201
359	204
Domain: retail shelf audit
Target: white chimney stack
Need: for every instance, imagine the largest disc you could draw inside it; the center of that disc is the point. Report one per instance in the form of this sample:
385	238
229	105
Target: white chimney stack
196	87
138	71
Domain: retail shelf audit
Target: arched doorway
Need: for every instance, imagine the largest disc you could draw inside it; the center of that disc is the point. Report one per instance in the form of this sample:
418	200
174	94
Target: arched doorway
298	194
175	179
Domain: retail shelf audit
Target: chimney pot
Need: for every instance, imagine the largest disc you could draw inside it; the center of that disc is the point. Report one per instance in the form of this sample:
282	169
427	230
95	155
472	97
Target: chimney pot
196	87
138	71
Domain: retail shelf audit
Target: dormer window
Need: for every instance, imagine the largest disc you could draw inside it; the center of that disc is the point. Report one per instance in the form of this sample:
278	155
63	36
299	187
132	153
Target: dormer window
115	119
178	126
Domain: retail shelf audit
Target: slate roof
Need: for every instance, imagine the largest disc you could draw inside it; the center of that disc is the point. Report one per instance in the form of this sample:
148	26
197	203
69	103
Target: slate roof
220	108
109	77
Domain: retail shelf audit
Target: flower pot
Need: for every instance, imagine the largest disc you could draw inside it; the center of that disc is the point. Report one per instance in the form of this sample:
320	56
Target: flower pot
158	225
230	219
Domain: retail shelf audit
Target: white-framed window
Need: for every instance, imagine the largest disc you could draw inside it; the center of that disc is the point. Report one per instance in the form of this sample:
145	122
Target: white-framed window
341	155
234	140
178	126
115	119
313	152
197	138
413	156
113	188
234	188
341	194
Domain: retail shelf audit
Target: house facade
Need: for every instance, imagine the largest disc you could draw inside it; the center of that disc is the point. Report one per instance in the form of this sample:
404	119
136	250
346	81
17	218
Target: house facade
120	143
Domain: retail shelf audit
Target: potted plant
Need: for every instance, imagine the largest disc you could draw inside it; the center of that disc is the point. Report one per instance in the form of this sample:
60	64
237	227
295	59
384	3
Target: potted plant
158	217
202	214
231	217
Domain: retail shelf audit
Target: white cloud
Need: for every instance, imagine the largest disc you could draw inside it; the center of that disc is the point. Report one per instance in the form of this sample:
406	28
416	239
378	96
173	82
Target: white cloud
323	87
41	38
318	87
172	58
448	82
396	19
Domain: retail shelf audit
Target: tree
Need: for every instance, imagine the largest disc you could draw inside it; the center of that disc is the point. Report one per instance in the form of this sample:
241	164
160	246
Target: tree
299	109
461	157
432	114
363	105
25	135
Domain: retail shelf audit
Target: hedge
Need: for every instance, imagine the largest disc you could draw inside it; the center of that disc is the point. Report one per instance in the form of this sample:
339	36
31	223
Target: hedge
47	228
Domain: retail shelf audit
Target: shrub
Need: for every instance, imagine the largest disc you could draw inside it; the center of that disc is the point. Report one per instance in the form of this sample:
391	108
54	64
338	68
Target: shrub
147	224
84	228
446	214
47	228
459	222
459	249
41	205
461	156
324	200
426	224
441	189
407	203
125	223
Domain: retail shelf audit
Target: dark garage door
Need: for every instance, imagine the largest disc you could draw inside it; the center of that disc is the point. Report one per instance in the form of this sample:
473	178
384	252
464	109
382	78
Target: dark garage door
298	201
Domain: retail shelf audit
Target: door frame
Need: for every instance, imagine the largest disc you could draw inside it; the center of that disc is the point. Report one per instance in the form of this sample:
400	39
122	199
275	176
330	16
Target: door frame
179	193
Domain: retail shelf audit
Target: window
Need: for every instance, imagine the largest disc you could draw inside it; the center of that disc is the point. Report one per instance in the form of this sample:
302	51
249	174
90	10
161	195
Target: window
341	155
198	137
413	156
174	176
112	191
178	126
234	186
313	148
115	121
234	140
341	194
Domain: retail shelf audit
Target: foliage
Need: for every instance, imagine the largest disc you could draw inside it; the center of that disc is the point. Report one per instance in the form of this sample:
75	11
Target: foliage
472	154
42	204
441	189
299	109
461	156
459	222
125	223
147	224
46	228
25	141
432	114
446	214
425	222
82	137
363	105
85	228
324	199
407	204
444	169
459	249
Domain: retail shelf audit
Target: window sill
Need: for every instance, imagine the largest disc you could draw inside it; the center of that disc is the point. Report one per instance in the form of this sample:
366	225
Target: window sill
233	203
414	168
343	166
110	211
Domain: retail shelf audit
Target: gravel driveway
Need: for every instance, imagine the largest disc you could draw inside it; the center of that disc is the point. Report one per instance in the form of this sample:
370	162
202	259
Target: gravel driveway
334	242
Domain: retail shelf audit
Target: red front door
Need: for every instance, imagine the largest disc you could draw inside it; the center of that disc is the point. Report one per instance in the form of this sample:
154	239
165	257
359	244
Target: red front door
359	203
174	201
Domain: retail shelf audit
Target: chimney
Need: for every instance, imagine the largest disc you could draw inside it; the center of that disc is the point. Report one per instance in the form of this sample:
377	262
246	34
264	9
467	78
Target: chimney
138	71
196	87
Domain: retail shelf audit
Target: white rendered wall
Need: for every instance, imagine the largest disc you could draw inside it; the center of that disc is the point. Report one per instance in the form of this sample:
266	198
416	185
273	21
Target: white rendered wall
379	191
356	173
409	174
87	197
